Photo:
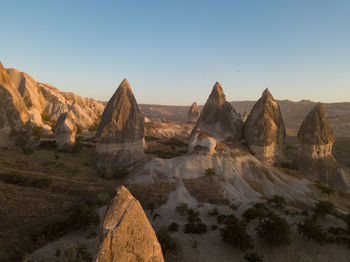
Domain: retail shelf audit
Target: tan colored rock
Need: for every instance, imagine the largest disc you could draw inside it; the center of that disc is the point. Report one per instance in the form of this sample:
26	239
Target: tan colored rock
218	121
14	115
193	113
245	115
315	134
127	235
264	129
120	135
65	131
53	102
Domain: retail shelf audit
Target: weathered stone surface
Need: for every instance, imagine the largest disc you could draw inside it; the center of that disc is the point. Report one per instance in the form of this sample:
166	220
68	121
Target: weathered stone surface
121	131
193	113
127	235
315	134
14	114
65	131
245	115
49	100
264	129
218	121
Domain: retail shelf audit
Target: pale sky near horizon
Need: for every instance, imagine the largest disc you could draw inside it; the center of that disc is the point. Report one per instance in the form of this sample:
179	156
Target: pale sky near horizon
172	52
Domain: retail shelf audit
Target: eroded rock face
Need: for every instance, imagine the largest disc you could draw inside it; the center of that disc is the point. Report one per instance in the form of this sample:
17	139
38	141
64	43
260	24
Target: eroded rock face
121	131
245	115
315	134
264	129
14	115
193	113
127	234
47	99
218	121
65	131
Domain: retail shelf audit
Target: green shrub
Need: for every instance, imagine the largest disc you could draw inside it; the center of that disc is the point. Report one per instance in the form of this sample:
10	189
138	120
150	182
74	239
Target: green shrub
277	201
253	257
37	132
103	199
325	190
76	253
323	208
83	216
210	171
167	242
214	227
120	172
45	117
309	229
214	212
254	213
235	232
182	209
27	150
36	182
173	227
194	225
274	230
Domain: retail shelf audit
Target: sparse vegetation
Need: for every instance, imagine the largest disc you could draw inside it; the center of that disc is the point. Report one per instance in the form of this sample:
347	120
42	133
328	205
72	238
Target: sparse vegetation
103	199
20	180
83	216
274	230
323	208
253	257
167	242
76	253
214	212
194	225
37	132
173	227
277	201
309	229
235	232
326	190
182	209
210	171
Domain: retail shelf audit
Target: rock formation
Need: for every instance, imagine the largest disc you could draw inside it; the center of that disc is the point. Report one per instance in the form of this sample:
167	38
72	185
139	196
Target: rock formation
127	234
264	129
315	134
14	116
245	115
193	113
47	99
65	131
120	133
218	121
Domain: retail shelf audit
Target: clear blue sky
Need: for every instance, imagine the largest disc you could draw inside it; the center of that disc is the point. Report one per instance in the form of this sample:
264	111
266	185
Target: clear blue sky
172	52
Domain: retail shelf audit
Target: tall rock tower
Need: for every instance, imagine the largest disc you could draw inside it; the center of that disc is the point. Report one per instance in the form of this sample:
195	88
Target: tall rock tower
193	113
121	131
264	129
217	121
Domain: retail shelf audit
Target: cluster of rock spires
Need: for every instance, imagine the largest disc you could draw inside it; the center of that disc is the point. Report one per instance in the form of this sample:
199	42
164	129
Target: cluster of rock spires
126	233
193	113
120	135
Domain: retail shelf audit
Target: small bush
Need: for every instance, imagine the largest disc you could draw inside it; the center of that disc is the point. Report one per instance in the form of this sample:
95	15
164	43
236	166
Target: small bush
277	201
83	216
194	225
79	129
253	257
274	230
103	199
37	132
325	190
210	171
214	212
77	146
182	209
173	227
120	172
309	229
323	208
76	253
106	173
235	232
254	213
167	242
20	180
214	227
27	150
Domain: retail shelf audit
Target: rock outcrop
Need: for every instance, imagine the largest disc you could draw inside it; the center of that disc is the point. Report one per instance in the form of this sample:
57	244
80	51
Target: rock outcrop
120	135
217	121
315	134
264	129
65	131
49	100
127	235
14	115
193	113
245	115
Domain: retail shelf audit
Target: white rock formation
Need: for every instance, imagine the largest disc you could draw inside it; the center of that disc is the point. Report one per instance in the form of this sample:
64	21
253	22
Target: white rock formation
65	131
218	121
264	129
127	235
14	115
193	113
120	134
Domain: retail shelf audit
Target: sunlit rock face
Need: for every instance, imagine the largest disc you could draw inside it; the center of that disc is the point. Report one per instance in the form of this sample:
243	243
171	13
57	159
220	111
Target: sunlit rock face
127	235
14	115
264	129
65	131
120	135
217	122
245	115
193	113
315	134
